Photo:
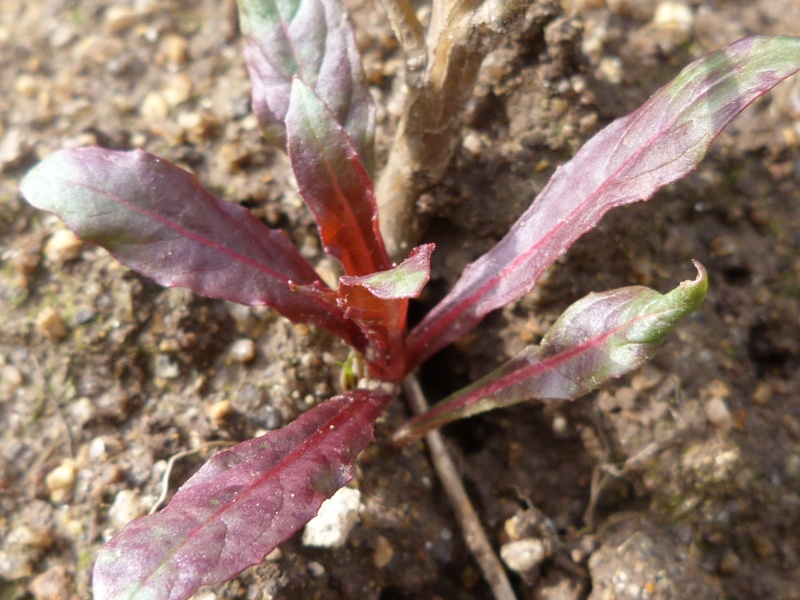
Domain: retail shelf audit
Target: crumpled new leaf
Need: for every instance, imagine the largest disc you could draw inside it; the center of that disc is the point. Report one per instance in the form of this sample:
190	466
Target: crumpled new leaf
599	337
378	303
240	505
313	40
157	219
626	162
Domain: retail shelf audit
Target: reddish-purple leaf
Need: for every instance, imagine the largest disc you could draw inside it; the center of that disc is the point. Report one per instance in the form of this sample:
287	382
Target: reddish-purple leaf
334	184
157	219
313	40
378	303
625	162
599	337
240	505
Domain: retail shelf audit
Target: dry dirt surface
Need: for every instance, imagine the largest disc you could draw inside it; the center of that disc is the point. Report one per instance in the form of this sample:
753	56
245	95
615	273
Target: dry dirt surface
679	481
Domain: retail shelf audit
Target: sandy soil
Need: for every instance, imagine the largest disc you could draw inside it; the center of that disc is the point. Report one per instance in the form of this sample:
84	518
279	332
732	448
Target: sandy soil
679	481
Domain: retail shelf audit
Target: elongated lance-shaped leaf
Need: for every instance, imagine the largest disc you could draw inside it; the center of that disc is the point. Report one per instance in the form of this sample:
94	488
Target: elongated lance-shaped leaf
239	506
599	337
158	220
334	184
313	40
378	303
625	162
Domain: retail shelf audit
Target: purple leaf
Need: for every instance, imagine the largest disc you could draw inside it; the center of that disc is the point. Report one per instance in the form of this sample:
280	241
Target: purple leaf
378	303
599	337
157	219
240	505
625	162
313	40
334	184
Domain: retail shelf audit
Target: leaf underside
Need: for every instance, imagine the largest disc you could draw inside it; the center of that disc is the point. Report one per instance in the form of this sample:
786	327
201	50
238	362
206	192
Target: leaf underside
158	220
626	162
239	506
599	337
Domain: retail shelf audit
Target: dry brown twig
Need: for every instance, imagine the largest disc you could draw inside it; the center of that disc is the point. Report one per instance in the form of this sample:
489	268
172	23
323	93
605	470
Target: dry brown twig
441	71
467	518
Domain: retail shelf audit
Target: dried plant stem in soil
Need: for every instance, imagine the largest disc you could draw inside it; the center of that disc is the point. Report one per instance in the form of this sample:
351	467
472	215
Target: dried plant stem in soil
171	463
471	527
440	77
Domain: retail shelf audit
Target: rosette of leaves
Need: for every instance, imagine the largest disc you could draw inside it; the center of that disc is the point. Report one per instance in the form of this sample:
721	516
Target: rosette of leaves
310	99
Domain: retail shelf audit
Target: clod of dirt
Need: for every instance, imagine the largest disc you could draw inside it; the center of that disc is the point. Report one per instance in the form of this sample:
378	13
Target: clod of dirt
637	559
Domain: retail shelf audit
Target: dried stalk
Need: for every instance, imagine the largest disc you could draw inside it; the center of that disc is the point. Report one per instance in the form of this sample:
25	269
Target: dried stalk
460	35
471	528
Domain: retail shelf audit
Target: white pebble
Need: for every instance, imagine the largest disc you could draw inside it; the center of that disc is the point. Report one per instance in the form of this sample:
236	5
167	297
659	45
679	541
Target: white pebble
334	521
523	555
60	480
718	413
674	15
63	246
243	350
126	507
30	536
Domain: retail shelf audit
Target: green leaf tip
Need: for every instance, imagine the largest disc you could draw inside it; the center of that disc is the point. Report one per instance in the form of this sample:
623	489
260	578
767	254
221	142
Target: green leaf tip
597	338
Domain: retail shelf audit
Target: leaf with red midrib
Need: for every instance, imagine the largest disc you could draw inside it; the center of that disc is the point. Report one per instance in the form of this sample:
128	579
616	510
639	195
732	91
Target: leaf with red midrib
157	219
334	184
625	162
240	505
599	337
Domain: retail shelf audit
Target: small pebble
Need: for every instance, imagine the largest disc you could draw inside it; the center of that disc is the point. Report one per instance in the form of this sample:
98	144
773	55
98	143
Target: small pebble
197	126
610	69
383	553
62	247
335	520
54	584
51	325
10	378
26	85
167	367
673	15
15	564
154	108
30	536
523	555
118	18
217	411
178	90
718	413
763	394
126	507
730	563
243	350
175	49
276	554
60	480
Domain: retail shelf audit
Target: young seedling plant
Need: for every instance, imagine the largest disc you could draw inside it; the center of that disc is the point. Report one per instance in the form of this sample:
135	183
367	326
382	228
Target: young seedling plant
309	98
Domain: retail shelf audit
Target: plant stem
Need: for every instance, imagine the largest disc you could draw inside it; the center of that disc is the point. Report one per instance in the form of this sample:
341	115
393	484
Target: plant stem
467	518
460	35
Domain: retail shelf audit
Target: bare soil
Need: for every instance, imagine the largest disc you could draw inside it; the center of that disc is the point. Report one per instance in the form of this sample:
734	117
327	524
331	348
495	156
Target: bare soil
679	481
